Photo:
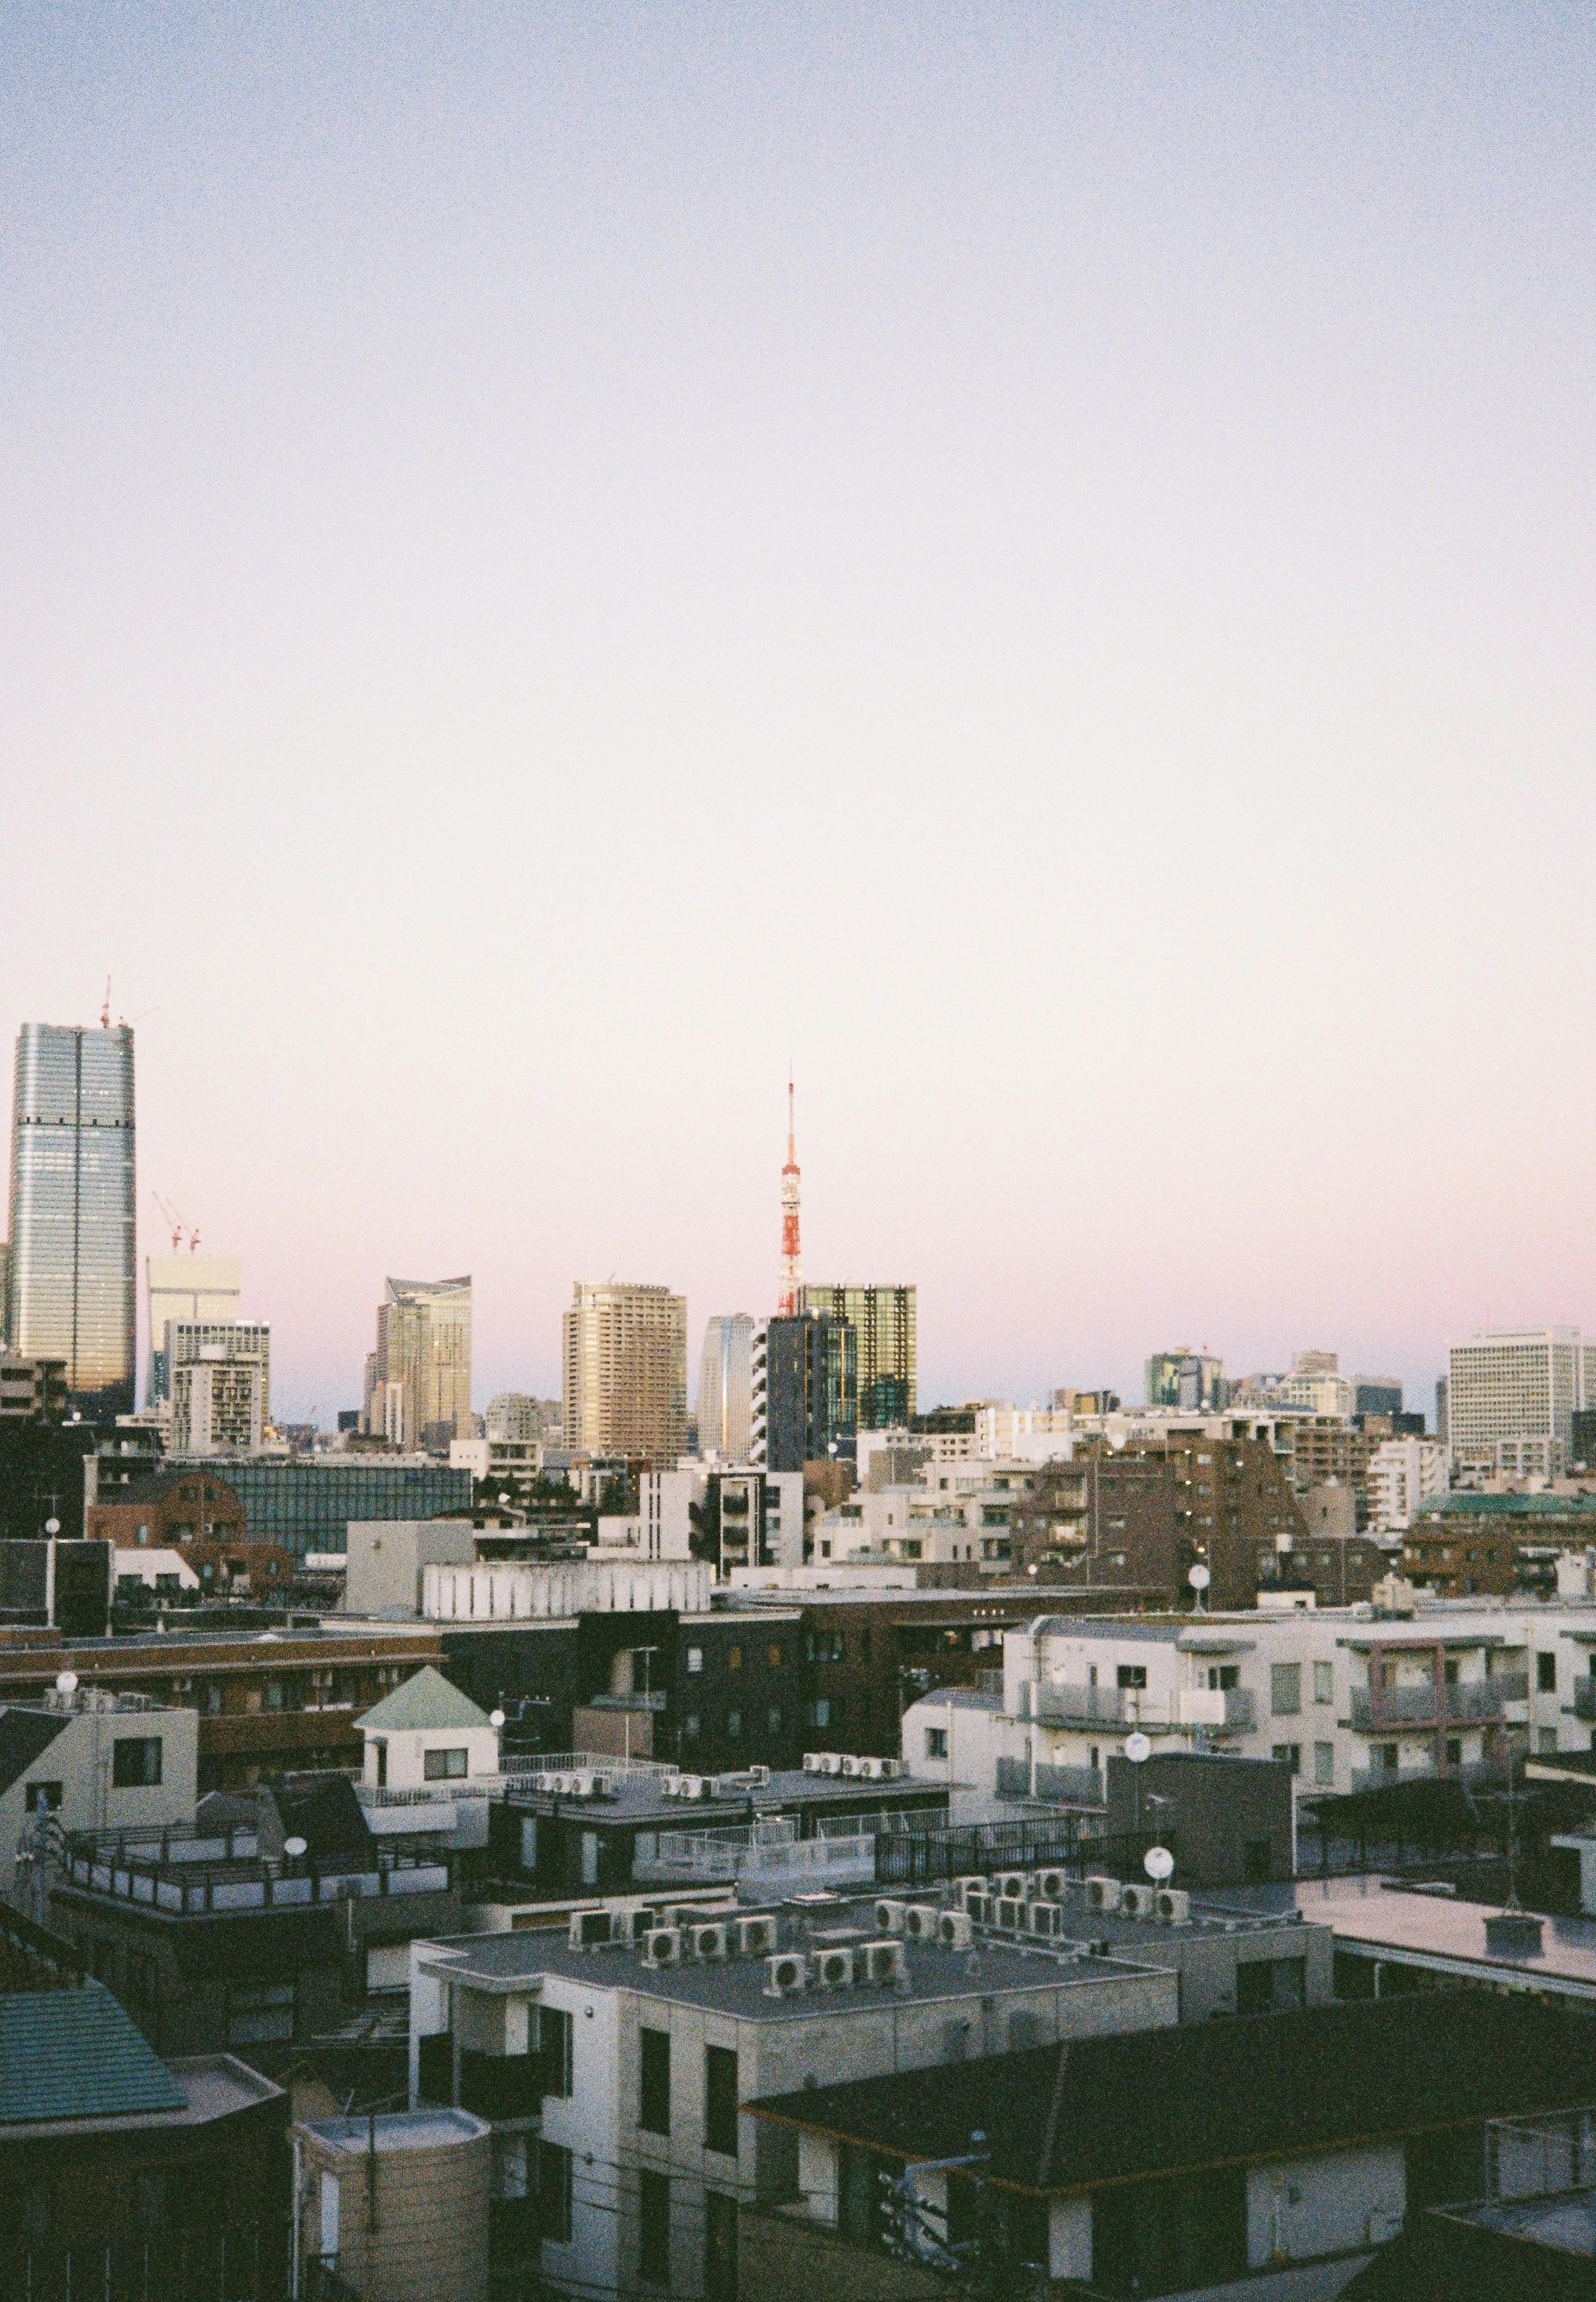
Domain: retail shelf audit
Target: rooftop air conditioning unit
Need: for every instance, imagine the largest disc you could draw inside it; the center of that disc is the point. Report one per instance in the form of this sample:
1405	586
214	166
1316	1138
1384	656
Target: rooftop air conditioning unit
977	1908
565	1784
1045	1918
833	1970
919	1921
891	1771
760	1777
852	1767
1103	1894
1009	1912
954	1930
830	1762
1051	1886
662	1946
683	1915
889	1917
711	1940
590	1927
811	1762
1174	1906
603	1786
883	1962
695	1786
582	1785
874	1770
1139	1902
972	1883
633	1926
1011	1883
545	1781
756	1934
785	1973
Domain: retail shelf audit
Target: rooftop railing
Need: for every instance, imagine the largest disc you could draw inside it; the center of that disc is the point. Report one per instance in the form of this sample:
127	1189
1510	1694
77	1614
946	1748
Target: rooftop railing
187	1883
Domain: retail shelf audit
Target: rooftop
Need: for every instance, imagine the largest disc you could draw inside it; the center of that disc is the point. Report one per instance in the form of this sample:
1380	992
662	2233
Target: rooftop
75	2054
398	2129
425	1701
639	1798
1439	1930
1150	2102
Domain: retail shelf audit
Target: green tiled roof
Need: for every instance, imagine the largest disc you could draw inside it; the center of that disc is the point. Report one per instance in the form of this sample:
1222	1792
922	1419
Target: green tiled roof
74	2054
1543	1505
427	1700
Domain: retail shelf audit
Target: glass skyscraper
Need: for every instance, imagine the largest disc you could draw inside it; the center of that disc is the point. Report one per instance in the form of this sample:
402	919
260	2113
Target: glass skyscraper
73	1289
884	1320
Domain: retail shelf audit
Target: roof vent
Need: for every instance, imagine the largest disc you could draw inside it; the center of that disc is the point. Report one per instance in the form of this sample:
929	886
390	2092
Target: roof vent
1514	1934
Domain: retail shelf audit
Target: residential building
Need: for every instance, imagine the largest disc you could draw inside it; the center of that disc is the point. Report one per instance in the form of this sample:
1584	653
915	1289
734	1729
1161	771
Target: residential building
1038	1434
393	2206
73	1293
626	1372
197	1290
31	1390
734	1517
804	1390
1389	1943
218	1404
515	1415
1511	1399
726	1389
1320	1448
1401	1476
418	1380
1349	1699
1192	1382
93	1760
120	2171
615	2078
1459	1545
1172	2160
884	1323
241	1341
1316	1384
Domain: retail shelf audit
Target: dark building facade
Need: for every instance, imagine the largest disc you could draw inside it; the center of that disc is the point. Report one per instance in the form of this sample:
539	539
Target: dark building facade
811	1391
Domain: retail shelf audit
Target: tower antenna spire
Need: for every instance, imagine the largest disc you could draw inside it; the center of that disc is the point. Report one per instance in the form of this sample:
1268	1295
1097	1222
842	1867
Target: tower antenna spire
792	1267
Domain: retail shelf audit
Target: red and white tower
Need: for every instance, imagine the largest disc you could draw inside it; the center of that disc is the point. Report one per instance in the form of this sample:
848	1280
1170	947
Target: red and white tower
791	1268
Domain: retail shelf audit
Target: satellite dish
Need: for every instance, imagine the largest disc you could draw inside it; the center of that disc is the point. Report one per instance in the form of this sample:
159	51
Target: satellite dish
495	1717
66	1682
1139	1749
1200	1578
52	1527
1158	1864
295	1846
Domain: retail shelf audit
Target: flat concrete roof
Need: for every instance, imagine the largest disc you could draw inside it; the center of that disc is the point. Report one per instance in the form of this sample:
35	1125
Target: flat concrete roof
398	2129
1442	1932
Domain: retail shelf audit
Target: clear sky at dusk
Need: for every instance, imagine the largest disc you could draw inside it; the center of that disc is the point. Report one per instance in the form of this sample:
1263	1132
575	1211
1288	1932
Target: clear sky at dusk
1036	561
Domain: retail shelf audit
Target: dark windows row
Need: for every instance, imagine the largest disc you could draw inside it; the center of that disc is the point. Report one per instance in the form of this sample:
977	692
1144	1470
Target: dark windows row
720	2091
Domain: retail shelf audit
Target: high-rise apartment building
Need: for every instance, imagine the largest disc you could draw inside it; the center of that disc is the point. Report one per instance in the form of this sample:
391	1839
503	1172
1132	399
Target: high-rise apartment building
805	1391
726	1389
202	1290
191	1342
72	1287
626	1372
883	1319
1402	1475
515	1417
1192	1382
1511	1399
418	1379
217	1404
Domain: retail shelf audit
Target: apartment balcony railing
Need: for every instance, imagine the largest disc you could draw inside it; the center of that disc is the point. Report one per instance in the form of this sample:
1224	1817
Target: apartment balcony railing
1227	1709
1055	1785
1478	1776
1467	1702
194	1889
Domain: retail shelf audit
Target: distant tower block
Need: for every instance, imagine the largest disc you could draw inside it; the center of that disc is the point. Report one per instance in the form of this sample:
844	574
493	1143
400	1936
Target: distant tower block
792	1267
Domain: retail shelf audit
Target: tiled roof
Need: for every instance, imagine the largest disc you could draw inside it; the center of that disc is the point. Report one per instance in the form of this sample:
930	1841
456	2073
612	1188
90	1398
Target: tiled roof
74	2054
425	1700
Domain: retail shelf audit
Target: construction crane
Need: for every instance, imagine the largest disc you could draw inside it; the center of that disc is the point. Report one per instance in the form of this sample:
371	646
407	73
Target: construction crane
176	1221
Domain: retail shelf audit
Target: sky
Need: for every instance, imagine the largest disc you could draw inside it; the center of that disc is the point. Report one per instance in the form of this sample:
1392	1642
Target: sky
1032	562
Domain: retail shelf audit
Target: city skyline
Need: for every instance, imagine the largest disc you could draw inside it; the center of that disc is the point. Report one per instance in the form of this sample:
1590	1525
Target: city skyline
1091	510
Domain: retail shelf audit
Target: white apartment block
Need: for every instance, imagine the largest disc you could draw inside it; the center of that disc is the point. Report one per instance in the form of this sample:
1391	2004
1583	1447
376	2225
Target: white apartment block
615	2065
1403	1474
1511	1397
1349	1699
758	1515
218	1406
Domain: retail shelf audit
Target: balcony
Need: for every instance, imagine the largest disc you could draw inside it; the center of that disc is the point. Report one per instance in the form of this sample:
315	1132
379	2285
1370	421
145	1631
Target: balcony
1467	1702
175	1879
1219	1710
1487	1776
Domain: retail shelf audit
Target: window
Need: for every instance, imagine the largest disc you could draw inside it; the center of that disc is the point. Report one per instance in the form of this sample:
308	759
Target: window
720	2100
1325	1682
653	2082
1455	1750
42	1798
1225	1677
819	1710
554	2193
773	1719
733	1726
690	1727
1546	1740
1325	1763
1132	1674
1546	1674
257	2012
590	1858
1288	1754
444	1766
720	2248
554	2050
653	2227
734	1657
136	1763
1285	1688
529	1841
773	1654
695	1658
936	1741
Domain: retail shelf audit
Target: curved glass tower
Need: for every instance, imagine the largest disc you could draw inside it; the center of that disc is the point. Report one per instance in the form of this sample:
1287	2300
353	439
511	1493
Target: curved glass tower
73	1286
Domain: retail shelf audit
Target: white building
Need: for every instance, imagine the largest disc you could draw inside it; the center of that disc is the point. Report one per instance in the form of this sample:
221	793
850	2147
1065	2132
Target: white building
1033	1434
753	1517
1349	1698
82	1759
218	1404
203	1288
1402	1474
1511	1399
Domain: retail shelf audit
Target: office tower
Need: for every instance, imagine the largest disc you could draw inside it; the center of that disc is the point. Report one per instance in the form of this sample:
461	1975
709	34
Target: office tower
1189	1380
418	1379
73	1290
190	1342
1316	1384
201	1288
1376	1394
217	1404
626	1372
805	1391
726	1389
883	1319
1511	1397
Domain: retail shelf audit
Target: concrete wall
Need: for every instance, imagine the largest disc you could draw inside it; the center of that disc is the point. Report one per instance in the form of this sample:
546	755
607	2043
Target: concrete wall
1301	2207
82	1760
781	2259
413	2221
386	1558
